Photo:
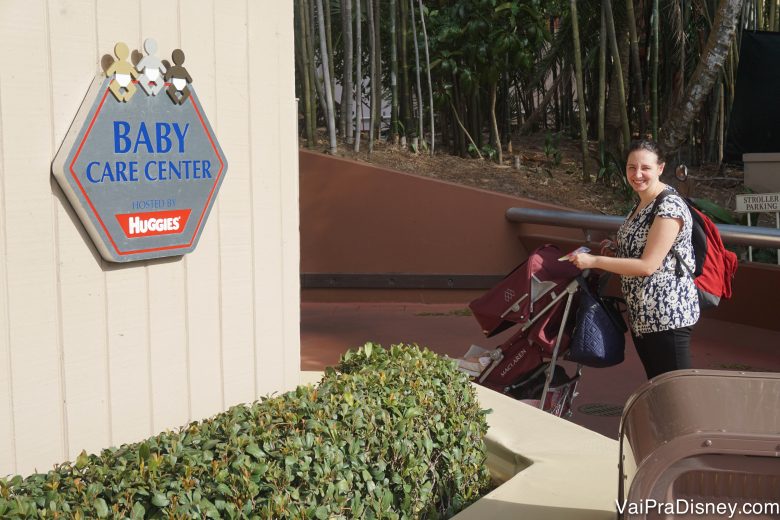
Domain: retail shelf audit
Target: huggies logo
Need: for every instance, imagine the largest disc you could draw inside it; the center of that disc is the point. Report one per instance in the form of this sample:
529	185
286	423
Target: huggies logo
138	225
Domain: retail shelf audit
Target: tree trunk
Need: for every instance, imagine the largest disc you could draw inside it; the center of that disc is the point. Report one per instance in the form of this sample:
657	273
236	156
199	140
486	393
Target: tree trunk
358	76
329	42
347	105
310	109
405	99
326	80
372	64
680	78
494	123
712	137
704	76
580	90
309	8
636	67
428	69
378	58
476	116
455	113
540	110
721	118
602	76
617	71
417	76
654	59
457	96
393	74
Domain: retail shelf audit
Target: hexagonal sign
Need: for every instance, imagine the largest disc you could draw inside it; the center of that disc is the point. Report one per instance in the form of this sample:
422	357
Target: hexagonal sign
140	164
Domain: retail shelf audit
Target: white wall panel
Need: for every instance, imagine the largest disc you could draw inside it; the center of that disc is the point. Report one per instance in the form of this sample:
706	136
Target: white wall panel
94	354
287	128
31	277
127	297
166	278
264	72
7	445
203	274
82	294
234	95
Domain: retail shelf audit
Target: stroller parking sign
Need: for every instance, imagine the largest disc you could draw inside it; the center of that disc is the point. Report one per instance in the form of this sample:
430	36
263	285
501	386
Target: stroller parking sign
140	164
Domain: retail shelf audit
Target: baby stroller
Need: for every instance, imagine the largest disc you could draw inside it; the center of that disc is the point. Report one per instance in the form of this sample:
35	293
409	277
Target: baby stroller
538	296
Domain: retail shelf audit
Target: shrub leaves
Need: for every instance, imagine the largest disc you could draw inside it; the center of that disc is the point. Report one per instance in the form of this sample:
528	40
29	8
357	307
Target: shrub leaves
388	433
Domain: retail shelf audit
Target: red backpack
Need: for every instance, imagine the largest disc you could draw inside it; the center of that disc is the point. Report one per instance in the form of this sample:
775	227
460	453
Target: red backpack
715	265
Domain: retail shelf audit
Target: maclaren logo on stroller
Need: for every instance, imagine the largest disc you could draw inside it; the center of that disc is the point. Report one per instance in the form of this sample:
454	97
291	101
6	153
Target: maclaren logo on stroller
515	360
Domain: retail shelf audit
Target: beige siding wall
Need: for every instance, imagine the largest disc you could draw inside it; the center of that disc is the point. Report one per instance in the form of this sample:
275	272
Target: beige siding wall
94	354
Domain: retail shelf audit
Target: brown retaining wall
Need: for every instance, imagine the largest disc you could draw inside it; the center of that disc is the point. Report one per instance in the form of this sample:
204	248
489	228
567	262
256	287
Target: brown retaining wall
361	219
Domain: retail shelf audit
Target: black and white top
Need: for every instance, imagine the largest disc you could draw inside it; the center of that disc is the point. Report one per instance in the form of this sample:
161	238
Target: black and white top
664	300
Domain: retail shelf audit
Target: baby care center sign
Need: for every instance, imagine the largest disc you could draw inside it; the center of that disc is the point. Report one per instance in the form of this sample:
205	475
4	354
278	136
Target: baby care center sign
140	164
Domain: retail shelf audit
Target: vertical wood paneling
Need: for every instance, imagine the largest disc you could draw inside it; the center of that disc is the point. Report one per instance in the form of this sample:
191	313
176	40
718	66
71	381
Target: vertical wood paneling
127	299
288	200
235	211
264	72
82	282
32	298
203	292
167	303
7	442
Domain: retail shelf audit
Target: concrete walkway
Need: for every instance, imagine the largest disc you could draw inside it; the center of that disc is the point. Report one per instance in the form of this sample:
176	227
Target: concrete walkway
330	329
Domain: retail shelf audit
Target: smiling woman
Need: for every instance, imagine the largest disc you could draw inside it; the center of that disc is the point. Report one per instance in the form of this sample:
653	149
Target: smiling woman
661	296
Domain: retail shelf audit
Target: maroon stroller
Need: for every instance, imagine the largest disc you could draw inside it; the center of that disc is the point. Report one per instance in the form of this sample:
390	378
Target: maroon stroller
538	296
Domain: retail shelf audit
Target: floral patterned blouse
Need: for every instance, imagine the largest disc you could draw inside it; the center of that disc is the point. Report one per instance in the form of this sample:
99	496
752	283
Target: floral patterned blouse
663	300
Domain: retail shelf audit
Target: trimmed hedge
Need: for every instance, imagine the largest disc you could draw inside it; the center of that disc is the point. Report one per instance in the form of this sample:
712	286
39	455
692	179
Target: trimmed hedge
391	433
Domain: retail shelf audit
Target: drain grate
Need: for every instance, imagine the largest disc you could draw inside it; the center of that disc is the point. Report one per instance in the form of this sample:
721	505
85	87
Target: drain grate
601	409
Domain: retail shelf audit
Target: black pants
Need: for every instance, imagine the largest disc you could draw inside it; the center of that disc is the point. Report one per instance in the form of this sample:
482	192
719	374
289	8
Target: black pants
664	351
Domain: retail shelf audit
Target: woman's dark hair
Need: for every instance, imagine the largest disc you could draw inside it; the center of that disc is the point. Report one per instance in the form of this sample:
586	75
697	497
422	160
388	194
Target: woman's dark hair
648	145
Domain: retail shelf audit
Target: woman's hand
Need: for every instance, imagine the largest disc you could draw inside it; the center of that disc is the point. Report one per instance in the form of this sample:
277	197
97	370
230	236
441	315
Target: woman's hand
583	260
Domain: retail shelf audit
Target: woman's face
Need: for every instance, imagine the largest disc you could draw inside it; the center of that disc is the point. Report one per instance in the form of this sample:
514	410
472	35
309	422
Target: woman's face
642	170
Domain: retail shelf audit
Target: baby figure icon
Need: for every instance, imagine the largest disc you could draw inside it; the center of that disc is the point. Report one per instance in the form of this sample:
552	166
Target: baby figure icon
151	68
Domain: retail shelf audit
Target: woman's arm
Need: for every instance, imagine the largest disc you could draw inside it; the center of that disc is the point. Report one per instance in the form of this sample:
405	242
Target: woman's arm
662	235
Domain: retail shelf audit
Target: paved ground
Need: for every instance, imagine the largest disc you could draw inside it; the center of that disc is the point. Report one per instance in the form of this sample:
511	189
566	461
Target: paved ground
330	329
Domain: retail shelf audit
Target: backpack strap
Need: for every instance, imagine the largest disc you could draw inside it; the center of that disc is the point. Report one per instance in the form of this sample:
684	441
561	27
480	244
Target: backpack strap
680	265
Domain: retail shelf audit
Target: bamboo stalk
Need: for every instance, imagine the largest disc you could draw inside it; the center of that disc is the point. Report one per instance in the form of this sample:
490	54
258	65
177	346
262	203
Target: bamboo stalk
417	75
618	69
580	90
460	124
358	76
372	64
393	74
428	68
654	59
602	77
327	82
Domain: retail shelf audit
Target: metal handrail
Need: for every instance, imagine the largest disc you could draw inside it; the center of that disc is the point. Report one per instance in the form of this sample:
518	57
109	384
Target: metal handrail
731	234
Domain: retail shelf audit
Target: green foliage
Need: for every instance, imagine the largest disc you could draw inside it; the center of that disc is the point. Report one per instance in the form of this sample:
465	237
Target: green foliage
716	212
488	151
392	433
476	41
612	172
551	150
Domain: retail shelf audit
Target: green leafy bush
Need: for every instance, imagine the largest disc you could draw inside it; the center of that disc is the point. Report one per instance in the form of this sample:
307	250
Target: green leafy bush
392	433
